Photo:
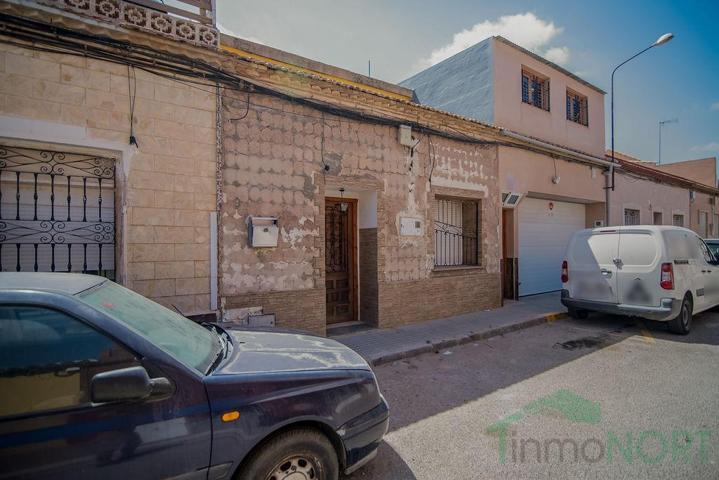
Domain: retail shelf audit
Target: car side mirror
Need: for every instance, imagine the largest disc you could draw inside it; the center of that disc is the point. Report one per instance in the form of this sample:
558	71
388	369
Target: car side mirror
125	384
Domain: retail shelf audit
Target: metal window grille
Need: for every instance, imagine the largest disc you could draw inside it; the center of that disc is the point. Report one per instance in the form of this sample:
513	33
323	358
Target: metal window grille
57	212
456	232
577	108
678	220
631	216
535	90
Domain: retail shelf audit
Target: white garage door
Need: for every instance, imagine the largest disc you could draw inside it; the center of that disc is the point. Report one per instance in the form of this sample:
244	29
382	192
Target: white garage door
543	237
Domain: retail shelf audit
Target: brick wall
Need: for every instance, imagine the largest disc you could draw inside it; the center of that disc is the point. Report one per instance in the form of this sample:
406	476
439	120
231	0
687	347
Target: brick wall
279	160
167	184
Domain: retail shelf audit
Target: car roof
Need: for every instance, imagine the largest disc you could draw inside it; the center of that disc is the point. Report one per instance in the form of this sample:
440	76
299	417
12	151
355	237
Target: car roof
69	283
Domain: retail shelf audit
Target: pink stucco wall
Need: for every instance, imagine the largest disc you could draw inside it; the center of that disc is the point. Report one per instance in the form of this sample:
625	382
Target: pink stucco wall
648	197
552	126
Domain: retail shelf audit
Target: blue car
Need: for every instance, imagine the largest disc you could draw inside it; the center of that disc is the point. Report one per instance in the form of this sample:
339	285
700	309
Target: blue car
98	382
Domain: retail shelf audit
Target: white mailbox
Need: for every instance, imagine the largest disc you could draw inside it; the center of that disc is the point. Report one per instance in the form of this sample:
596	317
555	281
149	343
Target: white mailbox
263	231
410	227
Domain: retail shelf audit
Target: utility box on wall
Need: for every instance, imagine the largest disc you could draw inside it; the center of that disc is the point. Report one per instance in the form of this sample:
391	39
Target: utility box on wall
262	231
410	227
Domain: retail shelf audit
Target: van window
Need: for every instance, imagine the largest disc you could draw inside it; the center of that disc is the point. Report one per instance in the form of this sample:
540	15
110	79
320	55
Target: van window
637	248
678	245
597	249
705	251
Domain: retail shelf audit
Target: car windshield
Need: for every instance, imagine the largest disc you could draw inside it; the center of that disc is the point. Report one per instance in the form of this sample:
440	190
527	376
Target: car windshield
192	344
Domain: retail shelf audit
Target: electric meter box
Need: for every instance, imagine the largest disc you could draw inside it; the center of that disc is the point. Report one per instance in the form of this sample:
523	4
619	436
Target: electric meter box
410	227
263	231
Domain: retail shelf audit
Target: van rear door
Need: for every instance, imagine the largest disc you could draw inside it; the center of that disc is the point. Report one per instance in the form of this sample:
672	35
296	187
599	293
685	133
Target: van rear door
592	270
639	267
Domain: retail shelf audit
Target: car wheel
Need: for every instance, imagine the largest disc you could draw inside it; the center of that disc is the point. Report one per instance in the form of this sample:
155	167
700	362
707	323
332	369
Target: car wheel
683	322
578	314
302	454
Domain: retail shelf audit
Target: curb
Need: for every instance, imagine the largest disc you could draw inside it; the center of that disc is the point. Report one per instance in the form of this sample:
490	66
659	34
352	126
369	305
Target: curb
453	342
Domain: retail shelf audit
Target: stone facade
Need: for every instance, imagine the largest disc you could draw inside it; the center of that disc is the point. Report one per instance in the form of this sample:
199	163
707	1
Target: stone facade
165	187
282	160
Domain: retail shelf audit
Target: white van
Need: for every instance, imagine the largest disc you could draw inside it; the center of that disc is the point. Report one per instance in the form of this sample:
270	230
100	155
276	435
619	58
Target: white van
656	272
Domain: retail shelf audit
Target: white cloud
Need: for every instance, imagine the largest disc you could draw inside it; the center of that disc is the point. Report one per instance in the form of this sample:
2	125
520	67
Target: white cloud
714	106
232	33
524	29
709	147
558	55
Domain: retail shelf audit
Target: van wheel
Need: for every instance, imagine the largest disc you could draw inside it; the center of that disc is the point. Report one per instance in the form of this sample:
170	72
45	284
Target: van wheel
578	314
301	454
683	322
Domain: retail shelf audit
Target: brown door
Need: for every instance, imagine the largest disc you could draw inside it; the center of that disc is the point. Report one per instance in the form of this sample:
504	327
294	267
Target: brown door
340	259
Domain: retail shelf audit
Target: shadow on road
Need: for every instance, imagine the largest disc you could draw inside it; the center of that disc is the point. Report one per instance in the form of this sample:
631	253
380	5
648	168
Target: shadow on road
432	383
387	460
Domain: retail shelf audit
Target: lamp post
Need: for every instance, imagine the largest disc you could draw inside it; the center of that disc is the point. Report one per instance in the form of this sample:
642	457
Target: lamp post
661	124
660	41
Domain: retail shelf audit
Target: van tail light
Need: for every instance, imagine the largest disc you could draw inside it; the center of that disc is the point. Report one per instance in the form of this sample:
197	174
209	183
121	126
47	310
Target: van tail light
565	272
666	281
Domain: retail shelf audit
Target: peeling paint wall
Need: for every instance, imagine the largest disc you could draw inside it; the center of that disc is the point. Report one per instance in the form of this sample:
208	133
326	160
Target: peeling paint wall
281	159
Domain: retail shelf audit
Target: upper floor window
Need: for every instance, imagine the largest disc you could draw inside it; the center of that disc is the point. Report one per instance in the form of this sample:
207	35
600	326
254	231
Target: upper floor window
577	107
535	89
678	220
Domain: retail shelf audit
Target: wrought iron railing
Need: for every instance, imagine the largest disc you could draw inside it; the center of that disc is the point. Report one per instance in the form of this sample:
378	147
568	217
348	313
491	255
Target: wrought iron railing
456	232
453	247
57	211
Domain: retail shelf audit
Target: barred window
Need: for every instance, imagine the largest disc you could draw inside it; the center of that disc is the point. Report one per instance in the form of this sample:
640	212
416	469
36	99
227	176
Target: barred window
456	232
678	220
631	216
535	89
577	108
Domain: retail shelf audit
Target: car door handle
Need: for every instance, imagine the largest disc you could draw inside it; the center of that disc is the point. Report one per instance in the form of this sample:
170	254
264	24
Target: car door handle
605	272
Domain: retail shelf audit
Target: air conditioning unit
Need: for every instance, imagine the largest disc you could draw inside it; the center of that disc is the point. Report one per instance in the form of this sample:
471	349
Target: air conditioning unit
510	199
598	223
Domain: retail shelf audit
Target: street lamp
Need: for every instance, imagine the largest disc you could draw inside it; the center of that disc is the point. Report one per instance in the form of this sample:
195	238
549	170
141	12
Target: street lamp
660	41
661	124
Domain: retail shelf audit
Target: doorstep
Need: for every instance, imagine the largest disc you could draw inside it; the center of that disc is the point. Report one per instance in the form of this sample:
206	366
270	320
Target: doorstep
379	346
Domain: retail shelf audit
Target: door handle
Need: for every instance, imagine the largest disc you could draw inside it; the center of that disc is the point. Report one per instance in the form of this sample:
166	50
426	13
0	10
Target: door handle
605	272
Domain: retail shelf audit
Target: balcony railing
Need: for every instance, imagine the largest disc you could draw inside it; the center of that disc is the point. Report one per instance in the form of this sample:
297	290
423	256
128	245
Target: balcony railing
195	24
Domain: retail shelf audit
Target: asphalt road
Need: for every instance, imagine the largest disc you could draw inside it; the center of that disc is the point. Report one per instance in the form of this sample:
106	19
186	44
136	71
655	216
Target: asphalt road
606	397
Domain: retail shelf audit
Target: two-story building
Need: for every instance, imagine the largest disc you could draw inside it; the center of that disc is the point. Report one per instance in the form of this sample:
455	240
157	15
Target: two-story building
545	198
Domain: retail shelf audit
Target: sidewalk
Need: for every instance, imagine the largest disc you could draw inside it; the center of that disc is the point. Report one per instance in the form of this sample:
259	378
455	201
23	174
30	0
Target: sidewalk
379	346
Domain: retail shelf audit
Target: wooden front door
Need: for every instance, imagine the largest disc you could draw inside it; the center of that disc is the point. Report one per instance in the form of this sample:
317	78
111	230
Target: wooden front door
340	258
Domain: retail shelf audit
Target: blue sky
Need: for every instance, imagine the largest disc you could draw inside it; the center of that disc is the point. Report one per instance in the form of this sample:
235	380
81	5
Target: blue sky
678	80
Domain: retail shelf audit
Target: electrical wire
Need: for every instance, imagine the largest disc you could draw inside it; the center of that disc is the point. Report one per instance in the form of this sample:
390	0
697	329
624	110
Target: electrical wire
131	93
197	73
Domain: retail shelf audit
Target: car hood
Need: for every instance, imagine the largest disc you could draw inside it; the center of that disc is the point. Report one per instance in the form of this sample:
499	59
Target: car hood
267	352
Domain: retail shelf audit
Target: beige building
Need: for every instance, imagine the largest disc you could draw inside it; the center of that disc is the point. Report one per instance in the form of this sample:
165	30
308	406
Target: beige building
65	120
545	197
